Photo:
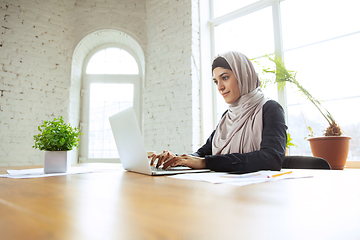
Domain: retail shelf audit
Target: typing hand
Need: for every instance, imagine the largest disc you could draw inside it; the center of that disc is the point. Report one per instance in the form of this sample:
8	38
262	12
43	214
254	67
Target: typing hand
185	160
161	158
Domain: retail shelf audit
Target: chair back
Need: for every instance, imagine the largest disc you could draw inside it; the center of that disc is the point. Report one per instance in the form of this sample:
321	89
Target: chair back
305	162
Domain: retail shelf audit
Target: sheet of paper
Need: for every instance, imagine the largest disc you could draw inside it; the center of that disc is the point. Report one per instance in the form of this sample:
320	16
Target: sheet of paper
39	172
287	176
239	180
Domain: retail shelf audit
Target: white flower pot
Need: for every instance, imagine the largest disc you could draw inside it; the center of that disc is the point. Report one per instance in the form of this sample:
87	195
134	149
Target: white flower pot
55	162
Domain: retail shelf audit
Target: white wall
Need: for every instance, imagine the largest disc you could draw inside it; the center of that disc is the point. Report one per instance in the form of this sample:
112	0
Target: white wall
35	57
37	42
170	77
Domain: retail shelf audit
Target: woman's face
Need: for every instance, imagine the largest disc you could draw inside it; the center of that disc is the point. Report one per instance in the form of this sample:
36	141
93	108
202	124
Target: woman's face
227	84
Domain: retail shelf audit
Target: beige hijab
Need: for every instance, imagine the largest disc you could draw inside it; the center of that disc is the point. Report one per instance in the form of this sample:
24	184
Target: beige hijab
240	130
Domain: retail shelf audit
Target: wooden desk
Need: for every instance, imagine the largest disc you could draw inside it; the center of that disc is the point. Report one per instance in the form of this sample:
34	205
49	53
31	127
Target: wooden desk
125	205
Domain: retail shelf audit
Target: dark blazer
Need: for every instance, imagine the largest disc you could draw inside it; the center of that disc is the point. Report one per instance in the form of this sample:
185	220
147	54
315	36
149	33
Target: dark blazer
272	148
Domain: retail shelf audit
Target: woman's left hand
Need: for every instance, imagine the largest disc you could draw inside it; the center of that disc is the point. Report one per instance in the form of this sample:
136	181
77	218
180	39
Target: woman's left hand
185	160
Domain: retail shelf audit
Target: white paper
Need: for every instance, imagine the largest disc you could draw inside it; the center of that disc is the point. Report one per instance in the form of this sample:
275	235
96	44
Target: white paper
238	180
39	172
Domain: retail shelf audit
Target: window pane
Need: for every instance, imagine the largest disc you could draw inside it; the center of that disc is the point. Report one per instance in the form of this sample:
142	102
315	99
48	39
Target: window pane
308	21
113	68
329	72
106	99
95	67
222	7
112	61
349	121
251	35
113	54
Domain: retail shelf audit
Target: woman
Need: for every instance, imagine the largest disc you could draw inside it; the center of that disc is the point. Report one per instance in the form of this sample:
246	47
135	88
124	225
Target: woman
251	135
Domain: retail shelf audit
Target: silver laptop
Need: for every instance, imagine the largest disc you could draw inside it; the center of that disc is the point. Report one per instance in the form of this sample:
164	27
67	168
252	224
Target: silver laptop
131	148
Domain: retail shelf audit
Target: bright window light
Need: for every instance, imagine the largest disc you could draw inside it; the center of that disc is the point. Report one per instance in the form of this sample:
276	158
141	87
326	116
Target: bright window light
309	21
320	41
106	99
327	69
222	7
112	61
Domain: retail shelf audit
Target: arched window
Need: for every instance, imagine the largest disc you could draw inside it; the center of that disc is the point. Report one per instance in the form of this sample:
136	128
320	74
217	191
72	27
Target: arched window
111	83
112	61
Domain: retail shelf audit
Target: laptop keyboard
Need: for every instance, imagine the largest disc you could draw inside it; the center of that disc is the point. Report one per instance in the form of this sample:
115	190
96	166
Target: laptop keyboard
155	169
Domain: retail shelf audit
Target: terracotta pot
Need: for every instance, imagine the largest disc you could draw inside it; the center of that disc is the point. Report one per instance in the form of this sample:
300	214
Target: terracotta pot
333	149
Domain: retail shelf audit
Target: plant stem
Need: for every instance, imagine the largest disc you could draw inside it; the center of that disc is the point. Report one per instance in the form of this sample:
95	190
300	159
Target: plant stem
283	76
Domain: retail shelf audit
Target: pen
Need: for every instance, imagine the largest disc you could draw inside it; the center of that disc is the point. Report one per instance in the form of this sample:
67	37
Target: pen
241	176
279	174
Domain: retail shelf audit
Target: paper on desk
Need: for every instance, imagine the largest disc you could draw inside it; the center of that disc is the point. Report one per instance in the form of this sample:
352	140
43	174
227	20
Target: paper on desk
293	175
218	177
39	172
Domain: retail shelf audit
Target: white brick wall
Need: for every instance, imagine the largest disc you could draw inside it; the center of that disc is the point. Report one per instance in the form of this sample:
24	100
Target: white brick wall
34	74
195	76
128	16
169	99
37	41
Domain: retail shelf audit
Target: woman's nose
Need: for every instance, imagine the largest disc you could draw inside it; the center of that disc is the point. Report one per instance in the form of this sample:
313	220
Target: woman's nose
220	86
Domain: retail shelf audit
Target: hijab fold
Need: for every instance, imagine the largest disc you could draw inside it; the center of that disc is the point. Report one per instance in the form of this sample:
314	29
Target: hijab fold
240	129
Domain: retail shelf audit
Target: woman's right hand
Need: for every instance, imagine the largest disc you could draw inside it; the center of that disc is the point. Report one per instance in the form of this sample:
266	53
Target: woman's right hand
161	158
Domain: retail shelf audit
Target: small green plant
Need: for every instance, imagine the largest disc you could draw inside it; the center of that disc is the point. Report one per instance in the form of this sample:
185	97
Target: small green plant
56	135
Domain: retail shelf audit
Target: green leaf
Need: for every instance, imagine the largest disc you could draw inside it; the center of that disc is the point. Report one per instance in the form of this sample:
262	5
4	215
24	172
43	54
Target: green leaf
56	135
283	76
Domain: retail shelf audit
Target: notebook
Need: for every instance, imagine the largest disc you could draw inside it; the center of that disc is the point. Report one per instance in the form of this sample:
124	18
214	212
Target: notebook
131	148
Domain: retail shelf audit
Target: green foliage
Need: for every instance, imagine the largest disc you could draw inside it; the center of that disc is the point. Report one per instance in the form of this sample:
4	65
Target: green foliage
288	142
283	75
56	135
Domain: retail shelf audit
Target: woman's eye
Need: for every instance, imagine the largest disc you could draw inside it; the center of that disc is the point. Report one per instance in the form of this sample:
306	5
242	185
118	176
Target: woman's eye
225	78
216	82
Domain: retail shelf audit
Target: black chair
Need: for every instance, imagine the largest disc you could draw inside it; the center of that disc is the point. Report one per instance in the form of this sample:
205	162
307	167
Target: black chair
305	162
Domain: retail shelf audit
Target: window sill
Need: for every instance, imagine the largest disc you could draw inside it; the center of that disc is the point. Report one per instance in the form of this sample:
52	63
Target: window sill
352	164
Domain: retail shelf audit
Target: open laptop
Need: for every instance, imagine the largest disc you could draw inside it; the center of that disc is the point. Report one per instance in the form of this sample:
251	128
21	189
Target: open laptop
131	148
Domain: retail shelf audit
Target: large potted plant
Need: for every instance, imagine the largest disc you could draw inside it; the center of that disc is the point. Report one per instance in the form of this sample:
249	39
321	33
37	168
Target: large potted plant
56	138
333	146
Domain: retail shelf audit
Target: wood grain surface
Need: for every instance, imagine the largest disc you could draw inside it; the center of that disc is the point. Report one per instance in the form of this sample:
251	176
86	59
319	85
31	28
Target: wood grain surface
125	205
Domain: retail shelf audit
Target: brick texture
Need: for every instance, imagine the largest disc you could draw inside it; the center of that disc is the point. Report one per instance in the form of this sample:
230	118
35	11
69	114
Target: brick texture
34	74
169	98
37	42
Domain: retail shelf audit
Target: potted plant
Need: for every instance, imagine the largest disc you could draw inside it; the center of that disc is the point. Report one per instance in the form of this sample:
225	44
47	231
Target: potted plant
56	138
333	146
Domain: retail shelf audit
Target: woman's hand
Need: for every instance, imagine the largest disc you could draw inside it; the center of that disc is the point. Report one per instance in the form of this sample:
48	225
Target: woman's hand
162	157
185	160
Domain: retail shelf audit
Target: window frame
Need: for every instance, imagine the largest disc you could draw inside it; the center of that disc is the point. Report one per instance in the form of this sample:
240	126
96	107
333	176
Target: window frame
210	25
275	5
87	79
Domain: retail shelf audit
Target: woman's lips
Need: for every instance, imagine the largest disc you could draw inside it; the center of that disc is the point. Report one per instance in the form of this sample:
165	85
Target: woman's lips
225	94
